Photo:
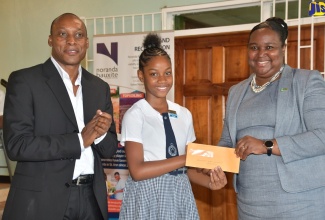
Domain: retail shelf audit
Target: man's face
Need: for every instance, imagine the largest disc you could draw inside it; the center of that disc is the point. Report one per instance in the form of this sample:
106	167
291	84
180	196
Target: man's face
68	40
117	177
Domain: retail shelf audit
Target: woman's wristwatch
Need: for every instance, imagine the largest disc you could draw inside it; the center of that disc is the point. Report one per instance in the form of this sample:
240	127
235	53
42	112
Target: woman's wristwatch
269	146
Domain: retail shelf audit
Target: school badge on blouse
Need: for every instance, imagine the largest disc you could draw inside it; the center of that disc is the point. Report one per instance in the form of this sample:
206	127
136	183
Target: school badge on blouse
172	114
172	150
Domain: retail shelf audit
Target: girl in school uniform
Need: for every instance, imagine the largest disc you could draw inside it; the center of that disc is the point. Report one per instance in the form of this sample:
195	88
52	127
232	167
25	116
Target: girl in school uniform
155	133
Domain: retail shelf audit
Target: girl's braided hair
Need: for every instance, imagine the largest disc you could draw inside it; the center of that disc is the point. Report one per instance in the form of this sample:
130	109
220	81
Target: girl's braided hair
152	48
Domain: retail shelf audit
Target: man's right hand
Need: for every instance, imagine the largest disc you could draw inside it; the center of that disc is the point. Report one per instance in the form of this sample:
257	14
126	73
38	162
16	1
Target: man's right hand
88	133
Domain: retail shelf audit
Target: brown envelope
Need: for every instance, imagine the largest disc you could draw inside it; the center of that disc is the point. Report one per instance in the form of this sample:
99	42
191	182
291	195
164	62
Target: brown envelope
210	156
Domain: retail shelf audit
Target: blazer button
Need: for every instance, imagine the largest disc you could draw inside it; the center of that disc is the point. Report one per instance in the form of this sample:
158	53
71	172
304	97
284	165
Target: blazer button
67	185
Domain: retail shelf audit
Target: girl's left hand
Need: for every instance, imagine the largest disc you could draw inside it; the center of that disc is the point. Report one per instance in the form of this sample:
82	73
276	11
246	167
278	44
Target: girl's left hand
218	179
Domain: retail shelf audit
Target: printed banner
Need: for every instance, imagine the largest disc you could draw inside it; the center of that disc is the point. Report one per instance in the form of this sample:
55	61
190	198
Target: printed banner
116	61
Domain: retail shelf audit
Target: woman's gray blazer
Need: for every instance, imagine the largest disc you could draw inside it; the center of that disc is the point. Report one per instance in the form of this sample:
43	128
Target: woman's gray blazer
299	128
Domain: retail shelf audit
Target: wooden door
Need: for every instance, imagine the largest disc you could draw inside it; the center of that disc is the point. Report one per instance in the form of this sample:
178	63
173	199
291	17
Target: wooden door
205	68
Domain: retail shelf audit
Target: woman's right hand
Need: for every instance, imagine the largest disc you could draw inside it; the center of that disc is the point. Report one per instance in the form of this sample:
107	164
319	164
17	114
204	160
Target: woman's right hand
249	145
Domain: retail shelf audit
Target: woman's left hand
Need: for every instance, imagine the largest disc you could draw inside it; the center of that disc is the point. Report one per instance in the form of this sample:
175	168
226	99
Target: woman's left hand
249	145
218	179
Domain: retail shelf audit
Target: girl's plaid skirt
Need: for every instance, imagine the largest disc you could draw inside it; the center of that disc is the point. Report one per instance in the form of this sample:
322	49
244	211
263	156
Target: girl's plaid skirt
161	198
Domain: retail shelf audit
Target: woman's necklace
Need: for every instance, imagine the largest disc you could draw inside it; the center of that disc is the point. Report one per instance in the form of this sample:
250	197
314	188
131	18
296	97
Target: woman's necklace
257	88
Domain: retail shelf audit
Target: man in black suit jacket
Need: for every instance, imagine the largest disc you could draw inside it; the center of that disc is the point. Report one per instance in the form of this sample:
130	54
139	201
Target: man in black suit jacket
57	126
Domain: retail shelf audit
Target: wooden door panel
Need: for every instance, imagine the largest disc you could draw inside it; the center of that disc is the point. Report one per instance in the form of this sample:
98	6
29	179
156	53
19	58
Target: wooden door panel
218	67
198	107
292	60
217	114
230	202
237	68
198	66
217	204
190	66
305	34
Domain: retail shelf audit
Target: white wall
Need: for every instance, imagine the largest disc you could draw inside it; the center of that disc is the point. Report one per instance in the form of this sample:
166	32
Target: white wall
25	24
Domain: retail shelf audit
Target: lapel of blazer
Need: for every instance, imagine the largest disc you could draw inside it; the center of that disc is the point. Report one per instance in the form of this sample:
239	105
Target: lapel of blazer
59	90
285	101
237	97
89	99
